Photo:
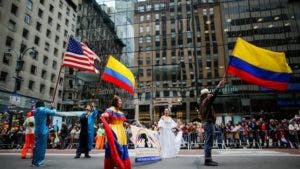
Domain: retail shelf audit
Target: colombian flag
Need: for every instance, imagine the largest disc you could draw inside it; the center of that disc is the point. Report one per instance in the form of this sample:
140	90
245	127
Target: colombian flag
259	66
118	74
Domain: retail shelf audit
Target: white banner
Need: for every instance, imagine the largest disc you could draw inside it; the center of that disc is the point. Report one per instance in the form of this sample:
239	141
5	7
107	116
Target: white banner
146	143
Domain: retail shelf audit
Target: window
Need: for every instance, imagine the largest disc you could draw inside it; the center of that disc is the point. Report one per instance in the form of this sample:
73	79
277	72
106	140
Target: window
47	46
148	72
33	69
157	27
56	39
51	8
66	33
38	26
25	33
61	4
29	5
59	93
6	58
51	91
27	19
141	73
52	77
40	13
70	96
44	74
59	15
141	9
64	44
55	52
142	18
31	84
61	80
156	7
67	22
9	41
42	88
35	56
157	38
148	17
14	9
12	25
50	21
54	64
18	84
157	16
23	47
148	7
3	76
148	39
68	11
58	27
45	60
36	40
42	2
71	83
48	33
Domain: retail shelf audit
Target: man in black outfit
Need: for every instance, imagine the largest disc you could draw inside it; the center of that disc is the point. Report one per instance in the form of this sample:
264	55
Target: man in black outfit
208	119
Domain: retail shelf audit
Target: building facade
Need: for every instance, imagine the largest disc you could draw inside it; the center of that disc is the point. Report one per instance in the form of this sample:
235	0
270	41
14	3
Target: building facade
182	46
33	38
179	51
96	29
121	13
272	25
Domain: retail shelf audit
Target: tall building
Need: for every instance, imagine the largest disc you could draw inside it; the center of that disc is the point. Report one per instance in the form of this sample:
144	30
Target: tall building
182	46
97	30
272	25
33	38
178	51
121	13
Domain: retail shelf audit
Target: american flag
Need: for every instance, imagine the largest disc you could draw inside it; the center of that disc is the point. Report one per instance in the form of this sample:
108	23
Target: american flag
79	56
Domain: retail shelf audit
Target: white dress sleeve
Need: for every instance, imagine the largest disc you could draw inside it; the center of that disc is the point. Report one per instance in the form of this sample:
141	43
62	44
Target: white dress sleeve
161	123
173	124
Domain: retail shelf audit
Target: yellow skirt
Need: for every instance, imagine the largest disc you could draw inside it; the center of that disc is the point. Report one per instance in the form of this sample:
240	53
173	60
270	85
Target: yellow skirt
119	130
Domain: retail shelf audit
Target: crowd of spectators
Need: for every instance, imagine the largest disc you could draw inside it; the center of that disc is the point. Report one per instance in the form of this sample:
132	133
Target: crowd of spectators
252	133
248	133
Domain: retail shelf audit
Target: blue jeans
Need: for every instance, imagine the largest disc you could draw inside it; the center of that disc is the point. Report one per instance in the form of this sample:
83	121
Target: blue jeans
208	139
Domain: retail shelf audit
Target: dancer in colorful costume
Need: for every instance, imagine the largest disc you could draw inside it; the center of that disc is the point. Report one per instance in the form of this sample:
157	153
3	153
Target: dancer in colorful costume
41	132
29	136
100	138
116	150
86	136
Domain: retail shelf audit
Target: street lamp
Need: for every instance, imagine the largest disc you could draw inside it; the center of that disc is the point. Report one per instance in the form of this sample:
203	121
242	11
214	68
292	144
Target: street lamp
20	63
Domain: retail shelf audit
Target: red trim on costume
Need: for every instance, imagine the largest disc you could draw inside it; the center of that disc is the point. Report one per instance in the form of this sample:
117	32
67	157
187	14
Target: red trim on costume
115	158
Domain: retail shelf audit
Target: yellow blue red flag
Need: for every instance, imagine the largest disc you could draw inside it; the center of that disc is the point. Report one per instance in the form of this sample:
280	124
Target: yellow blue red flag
259	66
118	74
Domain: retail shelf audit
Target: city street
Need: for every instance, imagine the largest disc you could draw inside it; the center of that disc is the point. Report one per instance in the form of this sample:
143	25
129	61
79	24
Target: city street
187	159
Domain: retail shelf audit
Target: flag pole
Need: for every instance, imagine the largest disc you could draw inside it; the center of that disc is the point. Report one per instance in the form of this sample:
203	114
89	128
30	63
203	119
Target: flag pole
100	83
57	81
225	74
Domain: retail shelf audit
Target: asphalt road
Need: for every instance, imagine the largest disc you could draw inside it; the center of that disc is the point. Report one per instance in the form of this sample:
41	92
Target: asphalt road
227	160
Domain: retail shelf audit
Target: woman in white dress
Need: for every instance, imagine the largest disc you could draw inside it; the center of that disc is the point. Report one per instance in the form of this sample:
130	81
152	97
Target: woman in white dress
169	143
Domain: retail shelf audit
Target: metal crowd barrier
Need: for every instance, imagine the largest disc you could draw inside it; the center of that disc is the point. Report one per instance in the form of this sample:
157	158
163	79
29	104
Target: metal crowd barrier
195	140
